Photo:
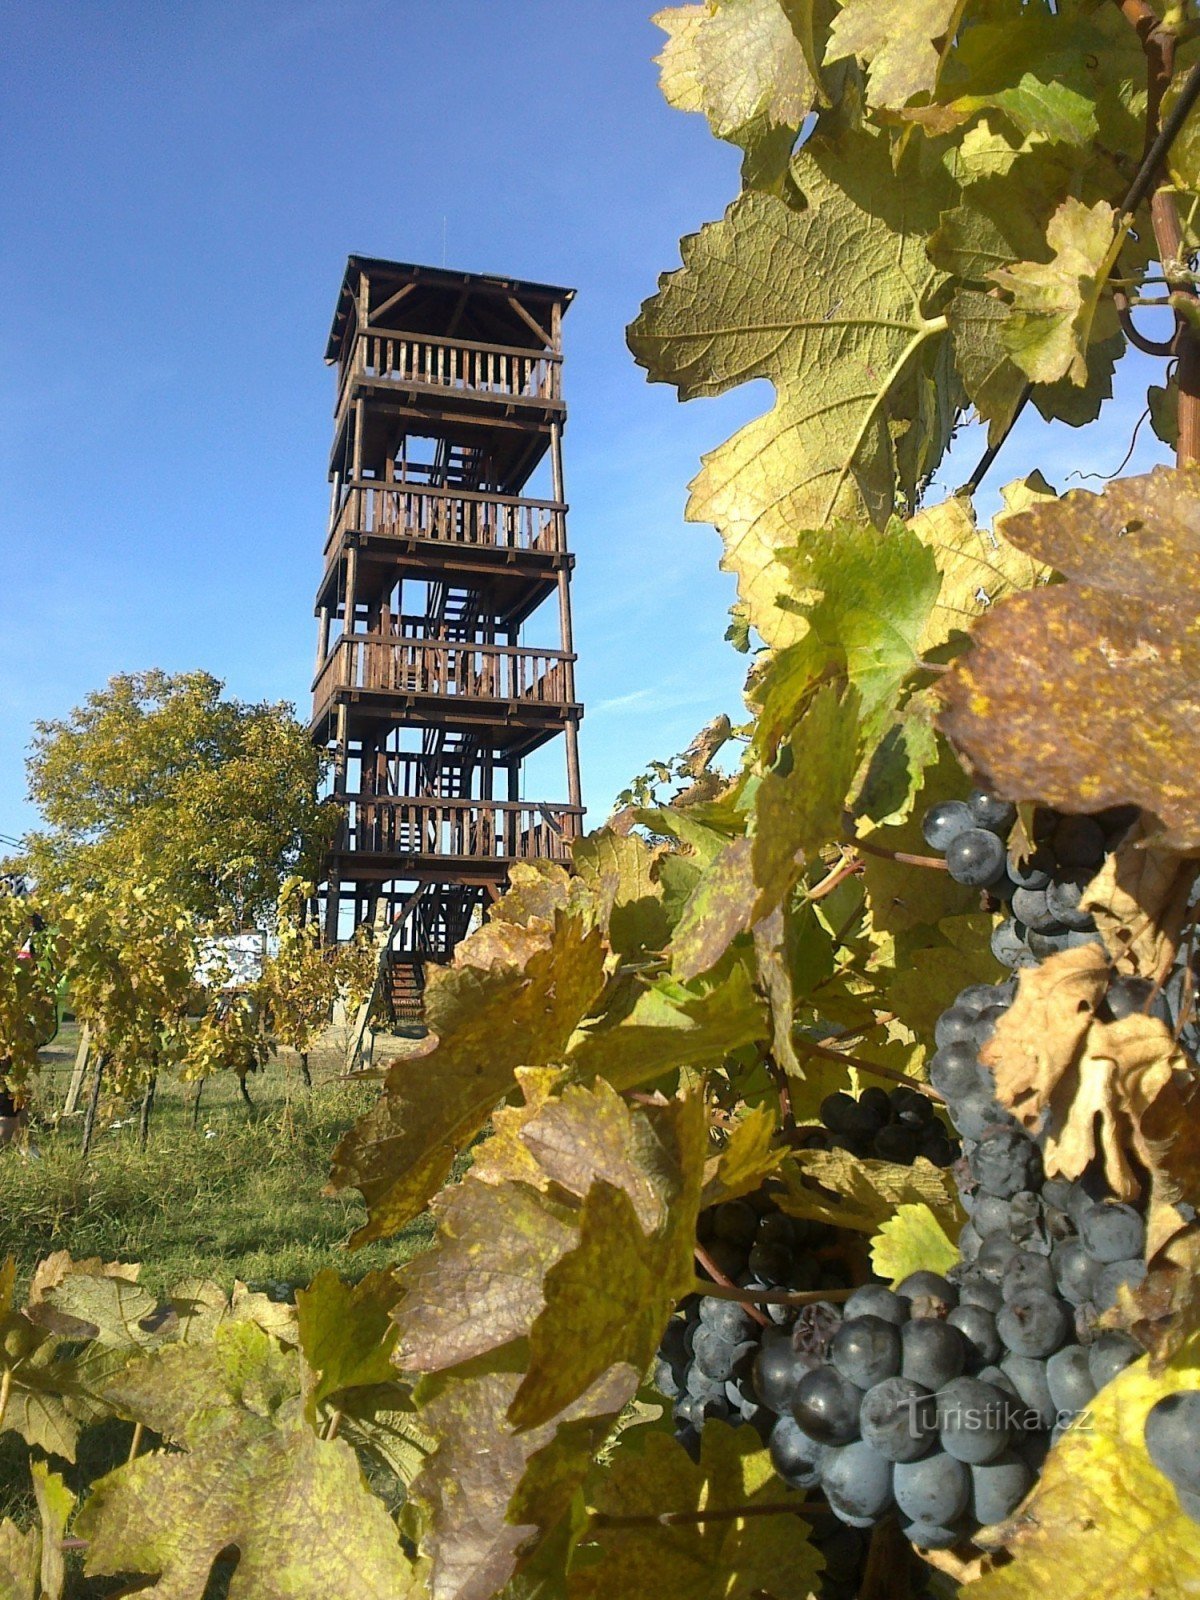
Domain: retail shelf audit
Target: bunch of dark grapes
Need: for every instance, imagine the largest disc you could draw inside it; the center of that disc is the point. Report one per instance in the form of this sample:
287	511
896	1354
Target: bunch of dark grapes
1042	889
890	1125
707	1356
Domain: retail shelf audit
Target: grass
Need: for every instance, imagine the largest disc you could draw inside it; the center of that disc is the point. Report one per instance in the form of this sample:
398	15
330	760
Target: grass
237	1196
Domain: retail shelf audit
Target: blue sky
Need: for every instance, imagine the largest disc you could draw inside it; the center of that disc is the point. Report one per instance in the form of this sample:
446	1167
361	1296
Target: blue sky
181	186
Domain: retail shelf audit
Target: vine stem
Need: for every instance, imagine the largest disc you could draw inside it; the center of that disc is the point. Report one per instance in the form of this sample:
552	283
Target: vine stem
893	1074
767	1297
935	863
720	1281
335	1422
675	1519
6	1383
135	1443
846	868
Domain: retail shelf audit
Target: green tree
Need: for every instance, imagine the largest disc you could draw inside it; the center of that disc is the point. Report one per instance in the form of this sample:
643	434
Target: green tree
212	797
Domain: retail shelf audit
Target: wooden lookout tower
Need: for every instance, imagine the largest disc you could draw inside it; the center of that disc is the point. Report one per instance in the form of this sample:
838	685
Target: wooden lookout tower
446	555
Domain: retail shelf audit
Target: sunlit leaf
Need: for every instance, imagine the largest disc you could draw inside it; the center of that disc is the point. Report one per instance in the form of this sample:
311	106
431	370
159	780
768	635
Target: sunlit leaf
911	1240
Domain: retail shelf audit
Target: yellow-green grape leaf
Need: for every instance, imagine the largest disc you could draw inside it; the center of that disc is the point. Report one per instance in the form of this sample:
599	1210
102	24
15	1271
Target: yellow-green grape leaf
834	304
912	1240
94	1300
346	1334
864	1194
1043	704
978	567
609	1298
672	1025
20	1561
798	805
931	965
866	598
718	911
900	40
1059	307
724	1558
1101	1511
46	1398
478	1526
55	1503
746	64
186	1391
748	1158
296	1507
621	871
520	1010
481	1284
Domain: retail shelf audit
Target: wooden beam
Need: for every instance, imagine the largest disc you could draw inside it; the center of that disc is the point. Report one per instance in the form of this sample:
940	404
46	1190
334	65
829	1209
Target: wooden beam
392	300
529	322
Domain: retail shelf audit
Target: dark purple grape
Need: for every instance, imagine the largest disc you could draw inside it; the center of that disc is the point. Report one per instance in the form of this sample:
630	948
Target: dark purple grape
1034	872
857	1482
1033	1323
998	1487
866	1350
1070	1380
1075	1272
978	1327
975	858
1173	1440
1110	1354
896	1144
899	1419
1112	1231
1027	1271
973	1421
795	1457
991	812
943	823
936	1489
1028	1377
955	1025
931	1352
874	1300
1006	1162
954	1071
1114	1276
826	1406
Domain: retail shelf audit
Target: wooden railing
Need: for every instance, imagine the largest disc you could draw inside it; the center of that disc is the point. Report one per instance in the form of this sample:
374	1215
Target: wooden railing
437	363
461	517
476	830
370	661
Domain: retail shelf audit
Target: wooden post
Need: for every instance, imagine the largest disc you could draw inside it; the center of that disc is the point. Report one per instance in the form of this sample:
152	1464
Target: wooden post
89	1121
147	1107
71	1104
322	637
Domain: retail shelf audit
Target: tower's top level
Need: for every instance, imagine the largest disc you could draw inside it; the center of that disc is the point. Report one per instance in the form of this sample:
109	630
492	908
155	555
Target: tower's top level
438	301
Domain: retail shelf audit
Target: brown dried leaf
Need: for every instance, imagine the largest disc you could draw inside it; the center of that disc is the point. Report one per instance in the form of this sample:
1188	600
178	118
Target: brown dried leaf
1045	704
1139	900
1061	1070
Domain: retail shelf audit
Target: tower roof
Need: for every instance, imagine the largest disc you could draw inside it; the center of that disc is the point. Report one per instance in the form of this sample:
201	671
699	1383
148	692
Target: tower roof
479	303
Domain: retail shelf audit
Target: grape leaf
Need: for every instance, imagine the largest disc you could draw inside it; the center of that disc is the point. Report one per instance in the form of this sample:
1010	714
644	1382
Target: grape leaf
186	1391
481	1284
747	1159
899	40
901	896
876	594
1091	1086
748	65
864	1194
94	1300
978	567
1059	307
931	966
471	1483
911	1240
346	1334
798	805
672	1025
1102	1507
20	1561
1043	703
784	294
487	1021
609	1298
718	911
296	1507
55	1503
730	1558
1139	899
621	871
